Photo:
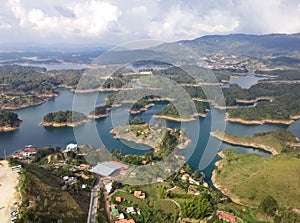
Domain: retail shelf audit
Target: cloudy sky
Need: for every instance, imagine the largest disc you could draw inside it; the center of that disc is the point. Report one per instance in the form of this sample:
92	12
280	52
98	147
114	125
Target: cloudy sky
120	21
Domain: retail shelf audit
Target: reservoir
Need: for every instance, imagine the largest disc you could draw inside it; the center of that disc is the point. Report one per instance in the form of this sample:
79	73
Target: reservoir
31	132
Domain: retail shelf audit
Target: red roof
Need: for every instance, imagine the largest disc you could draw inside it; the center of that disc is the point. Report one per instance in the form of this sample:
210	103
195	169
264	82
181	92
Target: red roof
29	150
226	216
126	221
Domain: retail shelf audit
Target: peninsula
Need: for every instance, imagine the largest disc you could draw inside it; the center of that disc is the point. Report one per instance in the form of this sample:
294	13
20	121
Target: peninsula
257	177
273	142
151	135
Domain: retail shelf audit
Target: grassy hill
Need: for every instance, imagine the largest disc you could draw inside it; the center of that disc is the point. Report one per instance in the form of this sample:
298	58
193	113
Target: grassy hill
251	178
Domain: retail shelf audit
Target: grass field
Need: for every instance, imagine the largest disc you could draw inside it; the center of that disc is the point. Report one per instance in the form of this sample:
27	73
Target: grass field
252	178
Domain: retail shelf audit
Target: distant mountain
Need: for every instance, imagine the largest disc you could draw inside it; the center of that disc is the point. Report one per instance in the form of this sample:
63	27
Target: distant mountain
189	51
243	44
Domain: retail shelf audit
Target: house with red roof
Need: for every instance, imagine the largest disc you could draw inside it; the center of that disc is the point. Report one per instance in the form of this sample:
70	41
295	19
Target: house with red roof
139	194
226	216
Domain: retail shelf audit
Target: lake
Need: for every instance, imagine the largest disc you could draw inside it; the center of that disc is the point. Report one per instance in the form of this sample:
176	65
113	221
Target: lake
201	153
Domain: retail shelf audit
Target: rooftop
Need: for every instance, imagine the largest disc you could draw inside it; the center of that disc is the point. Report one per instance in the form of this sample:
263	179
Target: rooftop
106	168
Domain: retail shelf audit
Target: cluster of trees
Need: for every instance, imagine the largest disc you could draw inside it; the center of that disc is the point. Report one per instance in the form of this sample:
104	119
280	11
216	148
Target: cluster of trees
64	116
26	79
282	74
197	207
100	110
8	118
141	103
167	145
281	108
186	109
136	121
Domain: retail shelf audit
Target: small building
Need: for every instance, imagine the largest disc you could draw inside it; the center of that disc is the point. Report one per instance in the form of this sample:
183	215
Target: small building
130	210
185	176
29	151
121	216
139	194
118	199
84	166
226	216
108	187
71	148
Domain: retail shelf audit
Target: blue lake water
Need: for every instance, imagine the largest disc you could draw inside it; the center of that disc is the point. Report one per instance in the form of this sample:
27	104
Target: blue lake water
31	132
201	153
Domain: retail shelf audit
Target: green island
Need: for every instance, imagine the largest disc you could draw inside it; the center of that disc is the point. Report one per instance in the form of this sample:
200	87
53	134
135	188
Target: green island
268	184
9	121
154	135
186	111
100	112
273	142
64	118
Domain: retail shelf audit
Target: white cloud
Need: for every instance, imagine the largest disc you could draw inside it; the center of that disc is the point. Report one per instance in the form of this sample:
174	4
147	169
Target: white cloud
91	18
4	25
182	23
119	21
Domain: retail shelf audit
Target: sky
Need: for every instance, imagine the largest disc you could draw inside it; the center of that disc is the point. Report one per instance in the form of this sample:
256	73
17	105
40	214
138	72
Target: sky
119	21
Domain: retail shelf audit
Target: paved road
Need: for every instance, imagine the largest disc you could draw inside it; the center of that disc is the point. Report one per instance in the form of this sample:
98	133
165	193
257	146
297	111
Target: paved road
94	203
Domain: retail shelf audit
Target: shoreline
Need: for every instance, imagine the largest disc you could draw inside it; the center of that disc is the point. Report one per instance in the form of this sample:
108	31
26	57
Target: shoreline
174	119
98	116
251	101
144	108
218	186
259	122
152	145
245	144
11	128
100	90
185	141
64	124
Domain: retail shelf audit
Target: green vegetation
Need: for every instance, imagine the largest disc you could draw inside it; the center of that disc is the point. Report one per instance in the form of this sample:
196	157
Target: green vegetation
282	74
45	197
100	111
8	119
164	141
140	104
252	178
64	117
274	141
187	109
136	121
281	108
153	209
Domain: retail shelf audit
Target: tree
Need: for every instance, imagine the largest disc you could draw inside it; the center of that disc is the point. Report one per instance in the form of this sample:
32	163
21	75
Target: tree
269	206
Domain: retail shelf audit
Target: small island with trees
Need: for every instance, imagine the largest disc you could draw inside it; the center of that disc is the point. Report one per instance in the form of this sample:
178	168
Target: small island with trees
64	118
9	121
100	112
